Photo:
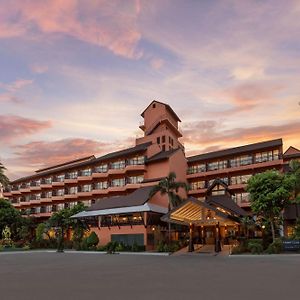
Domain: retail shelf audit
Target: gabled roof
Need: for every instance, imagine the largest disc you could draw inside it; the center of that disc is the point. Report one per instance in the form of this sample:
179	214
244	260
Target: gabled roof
225	202
191	211
136	198
221	182
169	108
236	150
291	152
161	156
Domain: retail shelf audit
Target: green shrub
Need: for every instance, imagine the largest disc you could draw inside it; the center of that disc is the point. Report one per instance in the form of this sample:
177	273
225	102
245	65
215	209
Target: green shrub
84	245
1	248
120	247
26	248
255	246
160	246
111	247
92	240
275	247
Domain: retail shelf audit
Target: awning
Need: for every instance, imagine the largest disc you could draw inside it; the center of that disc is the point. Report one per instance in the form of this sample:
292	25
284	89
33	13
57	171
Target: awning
194	211
147	207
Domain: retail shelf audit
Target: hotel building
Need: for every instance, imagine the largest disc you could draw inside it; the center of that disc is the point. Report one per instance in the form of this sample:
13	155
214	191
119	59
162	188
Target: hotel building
115	187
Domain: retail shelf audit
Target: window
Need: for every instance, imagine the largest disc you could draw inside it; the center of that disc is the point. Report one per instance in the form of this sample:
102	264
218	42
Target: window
163	139
72	190
135	179
86	188
196	185
118	182
120	164
158	140
138	160
86	172
72	175
163	148
241	179
217	165
59	192
241	161
101	169
197	169
241	198
102	185
153	105
267	156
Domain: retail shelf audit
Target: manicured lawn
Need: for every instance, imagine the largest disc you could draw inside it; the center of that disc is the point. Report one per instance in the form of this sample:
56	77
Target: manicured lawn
76	276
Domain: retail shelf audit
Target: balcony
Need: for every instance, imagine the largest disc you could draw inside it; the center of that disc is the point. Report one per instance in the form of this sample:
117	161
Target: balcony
117	171
85	193
25	188
46	184
99	191
35	186
85	175
141	167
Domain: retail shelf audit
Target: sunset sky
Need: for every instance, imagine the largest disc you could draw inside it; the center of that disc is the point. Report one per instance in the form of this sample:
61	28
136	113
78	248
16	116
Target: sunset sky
75	75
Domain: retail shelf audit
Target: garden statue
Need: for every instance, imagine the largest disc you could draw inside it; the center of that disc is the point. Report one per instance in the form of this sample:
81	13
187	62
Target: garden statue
6	234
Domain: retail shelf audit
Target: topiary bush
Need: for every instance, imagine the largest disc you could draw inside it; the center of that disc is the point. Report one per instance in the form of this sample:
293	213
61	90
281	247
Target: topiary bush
92	240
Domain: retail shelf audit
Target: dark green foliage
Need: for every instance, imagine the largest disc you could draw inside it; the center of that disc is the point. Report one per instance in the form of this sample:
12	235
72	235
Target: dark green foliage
111	247
40	231
269	195
173	247
3	178
169	186
9	216
92	240
275	247
255	246
296	235
62	221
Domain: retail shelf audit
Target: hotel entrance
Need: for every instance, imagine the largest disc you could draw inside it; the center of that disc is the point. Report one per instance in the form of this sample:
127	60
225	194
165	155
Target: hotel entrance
208	224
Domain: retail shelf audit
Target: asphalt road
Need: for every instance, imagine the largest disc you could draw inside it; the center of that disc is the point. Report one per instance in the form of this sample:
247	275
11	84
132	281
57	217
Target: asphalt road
94	276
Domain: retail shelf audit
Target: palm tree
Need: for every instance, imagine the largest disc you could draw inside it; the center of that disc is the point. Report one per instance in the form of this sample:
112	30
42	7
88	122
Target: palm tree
295	173
4	181
169	186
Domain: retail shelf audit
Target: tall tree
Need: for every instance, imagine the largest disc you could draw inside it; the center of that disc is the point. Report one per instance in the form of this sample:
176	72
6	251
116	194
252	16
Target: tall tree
269	195
294	172
169	186
62	221
9	216
3	178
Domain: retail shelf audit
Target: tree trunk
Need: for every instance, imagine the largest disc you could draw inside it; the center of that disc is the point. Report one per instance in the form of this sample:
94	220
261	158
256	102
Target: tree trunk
273	230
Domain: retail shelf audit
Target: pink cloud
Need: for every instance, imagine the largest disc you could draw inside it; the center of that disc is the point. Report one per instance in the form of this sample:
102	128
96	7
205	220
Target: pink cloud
210	135
42	153
12	88
13	127
106	23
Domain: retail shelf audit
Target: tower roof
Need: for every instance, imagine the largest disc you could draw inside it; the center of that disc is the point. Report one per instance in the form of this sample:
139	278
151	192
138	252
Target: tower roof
169	108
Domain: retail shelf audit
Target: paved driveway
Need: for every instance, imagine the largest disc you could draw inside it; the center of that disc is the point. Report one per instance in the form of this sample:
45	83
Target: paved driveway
94	276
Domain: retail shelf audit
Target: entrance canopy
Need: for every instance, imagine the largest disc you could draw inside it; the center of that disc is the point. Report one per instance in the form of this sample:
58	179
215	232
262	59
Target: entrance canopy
194	211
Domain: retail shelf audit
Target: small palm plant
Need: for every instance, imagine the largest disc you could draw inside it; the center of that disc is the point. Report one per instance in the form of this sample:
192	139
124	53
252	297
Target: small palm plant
169	186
